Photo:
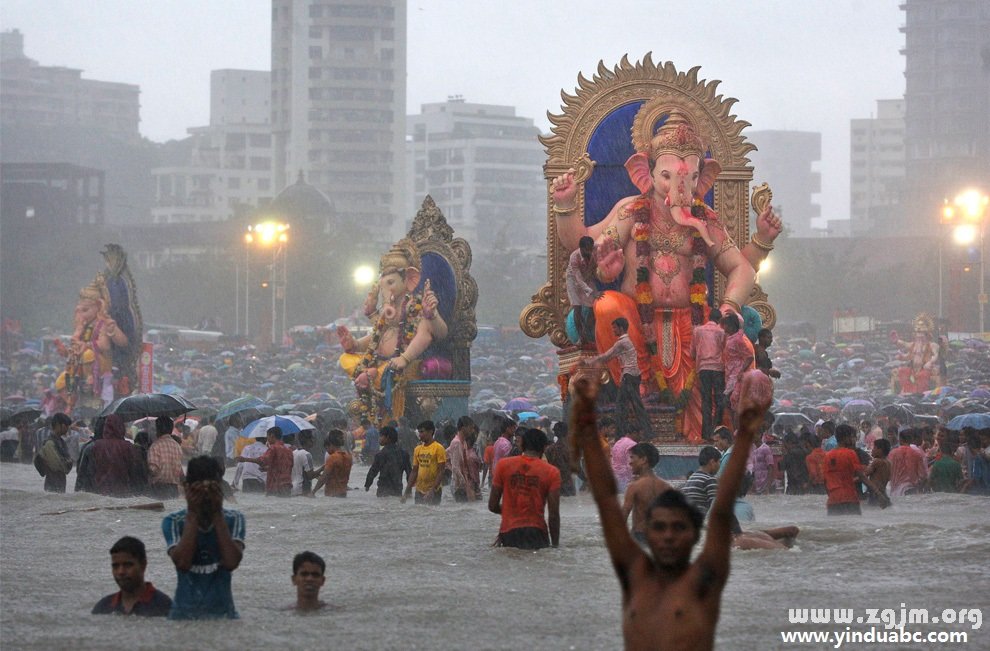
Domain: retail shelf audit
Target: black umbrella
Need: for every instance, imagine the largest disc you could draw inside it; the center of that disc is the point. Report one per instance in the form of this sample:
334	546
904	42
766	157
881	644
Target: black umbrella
22	414
142	405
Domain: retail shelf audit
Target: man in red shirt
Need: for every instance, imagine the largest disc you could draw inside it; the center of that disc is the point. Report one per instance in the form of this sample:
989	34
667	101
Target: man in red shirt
277	462
707	347
908	470
842	468
524	486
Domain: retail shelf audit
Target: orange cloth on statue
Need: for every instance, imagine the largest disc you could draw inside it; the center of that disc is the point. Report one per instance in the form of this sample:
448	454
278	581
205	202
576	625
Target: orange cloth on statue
674	325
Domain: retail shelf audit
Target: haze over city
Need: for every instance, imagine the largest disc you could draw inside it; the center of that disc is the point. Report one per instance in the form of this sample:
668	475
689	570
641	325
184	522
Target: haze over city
809	66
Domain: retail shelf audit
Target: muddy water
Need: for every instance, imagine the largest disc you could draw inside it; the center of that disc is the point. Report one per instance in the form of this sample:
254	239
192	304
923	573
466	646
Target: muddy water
415	577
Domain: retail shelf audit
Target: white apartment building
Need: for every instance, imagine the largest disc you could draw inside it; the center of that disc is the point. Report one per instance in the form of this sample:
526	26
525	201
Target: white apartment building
788	161
877	167
338	105
482	164
230	169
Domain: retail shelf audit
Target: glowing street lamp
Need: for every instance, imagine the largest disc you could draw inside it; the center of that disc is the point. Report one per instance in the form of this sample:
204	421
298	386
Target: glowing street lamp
964	234
364	275
275	235
967	213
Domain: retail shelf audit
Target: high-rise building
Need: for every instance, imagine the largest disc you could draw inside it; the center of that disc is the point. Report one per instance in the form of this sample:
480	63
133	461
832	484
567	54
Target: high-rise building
787	160
55	96
338	105
947	98
230	168
482	164
876	178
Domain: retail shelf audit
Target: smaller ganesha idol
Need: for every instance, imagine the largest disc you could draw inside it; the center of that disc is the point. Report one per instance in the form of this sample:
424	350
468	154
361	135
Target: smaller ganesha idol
405	322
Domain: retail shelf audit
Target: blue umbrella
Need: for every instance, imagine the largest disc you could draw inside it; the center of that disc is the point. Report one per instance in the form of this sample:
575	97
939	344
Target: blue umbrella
976	421
288	425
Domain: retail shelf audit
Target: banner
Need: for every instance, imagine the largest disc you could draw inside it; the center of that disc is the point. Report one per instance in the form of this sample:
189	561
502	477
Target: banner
146	368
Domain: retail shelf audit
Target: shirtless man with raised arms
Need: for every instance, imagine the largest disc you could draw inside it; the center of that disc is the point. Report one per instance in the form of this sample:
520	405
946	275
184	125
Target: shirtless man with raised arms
668	602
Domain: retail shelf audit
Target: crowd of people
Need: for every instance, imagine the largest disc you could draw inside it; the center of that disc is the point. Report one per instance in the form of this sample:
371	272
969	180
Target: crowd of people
524	466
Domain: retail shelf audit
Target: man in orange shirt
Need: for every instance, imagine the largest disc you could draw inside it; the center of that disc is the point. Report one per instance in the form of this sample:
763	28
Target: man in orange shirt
525	486
842	468
815	462
336	468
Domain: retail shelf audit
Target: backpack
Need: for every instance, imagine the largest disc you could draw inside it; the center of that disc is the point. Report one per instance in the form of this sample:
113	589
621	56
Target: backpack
40	465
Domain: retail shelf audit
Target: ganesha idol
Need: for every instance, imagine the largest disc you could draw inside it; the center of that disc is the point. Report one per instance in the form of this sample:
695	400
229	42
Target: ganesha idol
920	357
405	322
657	245
88	379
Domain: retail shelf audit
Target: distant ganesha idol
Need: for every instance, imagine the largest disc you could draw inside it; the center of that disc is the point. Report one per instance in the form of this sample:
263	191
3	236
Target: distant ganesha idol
659	243
107	334
405	321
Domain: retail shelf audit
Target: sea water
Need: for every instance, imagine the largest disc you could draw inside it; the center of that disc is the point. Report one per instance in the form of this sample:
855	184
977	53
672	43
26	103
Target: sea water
417	577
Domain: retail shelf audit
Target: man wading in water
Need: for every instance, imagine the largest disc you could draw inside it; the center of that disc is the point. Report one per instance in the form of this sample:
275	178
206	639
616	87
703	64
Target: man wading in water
667	601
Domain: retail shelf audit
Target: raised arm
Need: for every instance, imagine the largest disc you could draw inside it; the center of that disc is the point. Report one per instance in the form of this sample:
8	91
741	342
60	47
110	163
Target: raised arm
621	546
757	393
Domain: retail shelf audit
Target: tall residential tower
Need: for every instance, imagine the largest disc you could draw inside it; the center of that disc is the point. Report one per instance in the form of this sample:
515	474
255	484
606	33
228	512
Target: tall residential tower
338	105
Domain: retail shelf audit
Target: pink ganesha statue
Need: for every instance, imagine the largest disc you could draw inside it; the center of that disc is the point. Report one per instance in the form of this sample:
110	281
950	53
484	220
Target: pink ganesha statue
663	239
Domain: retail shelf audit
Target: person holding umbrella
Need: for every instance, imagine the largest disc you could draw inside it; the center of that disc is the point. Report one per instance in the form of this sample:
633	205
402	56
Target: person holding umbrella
277	462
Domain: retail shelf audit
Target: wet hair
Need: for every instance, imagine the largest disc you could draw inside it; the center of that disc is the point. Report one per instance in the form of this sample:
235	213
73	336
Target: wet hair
764	332
708	453
504	423
308	557
828	427
163	425
130	545
289	438
586	241
606	421
427	426
306	435
465	421
142	439
646	451
559	429
365	422
714	316
335	437
883	445
621	323
845	432
534	440
203	468
674	499
60	419
275	431
724	433
390	433
731	322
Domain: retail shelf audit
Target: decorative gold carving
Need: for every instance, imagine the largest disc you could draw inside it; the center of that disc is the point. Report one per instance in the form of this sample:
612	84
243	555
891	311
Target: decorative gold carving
431	233
758	301
761	197
664	91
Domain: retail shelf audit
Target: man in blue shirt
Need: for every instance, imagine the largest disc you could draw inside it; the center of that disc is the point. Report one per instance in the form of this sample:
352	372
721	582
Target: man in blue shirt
206	543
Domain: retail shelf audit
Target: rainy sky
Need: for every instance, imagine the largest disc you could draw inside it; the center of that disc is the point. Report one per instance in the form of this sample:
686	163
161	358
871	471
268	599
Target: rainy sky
810	65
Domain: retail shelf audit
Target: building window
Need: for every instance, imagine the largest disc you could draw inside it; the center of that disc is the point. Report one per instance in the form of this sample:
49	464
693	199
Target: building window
315	32
261	162
234	183
315	72
315	52
316	11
